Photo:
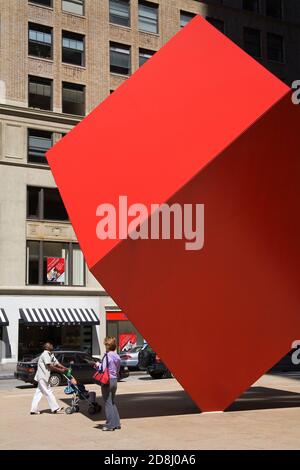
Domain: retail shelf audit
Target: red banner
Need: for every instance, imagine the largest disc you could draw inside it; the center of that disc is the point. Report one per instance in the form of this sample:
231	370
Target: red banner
56	270
116	316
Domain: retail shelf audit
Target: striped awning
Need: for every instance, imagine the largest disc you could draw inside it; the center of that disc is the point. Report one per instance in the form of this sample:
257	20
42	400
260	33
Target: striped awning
3	318
59	316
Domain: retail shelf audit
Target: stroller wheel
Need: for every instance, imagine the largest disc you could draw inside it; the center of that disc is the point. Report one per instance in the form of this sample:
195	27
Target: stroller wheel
91	410
98	408
76	408
69	410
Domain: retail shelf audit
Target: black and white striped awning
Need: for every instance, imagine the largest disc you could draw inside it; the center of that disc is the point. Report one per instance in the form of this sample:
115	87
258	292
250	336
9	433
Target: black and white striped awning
59	316
3	318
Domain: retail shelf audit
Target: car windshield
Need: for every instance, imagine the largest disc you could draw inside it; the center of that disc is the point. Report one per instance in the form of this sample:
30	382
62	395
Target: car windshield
86	358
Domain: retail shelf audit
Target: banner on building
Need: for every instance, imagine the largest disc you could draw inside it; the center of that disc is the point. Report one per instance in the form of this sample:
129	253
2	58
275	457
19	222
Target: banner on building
56	270
127	341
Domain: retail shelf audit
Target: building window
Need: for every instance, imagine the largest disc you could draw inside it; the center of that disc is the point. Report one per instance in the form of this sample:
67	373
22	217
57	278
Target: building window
275	47
73	6
144	55
45	204
73	99
148	17
185	18
274	8
40	41
120	60
252	42
251	5
219	24
68	255
45	3
119	12
32	271
40	93
39	142
72	48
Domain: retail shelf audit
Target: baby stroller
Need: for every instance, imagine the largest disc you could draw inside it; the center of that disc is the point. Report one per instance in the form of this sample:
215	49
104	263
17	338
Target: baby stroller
79	392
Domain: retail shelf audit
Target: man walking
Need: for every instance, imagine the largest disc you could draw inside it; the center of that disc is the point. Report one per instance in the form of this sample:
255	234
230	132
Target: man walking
47	362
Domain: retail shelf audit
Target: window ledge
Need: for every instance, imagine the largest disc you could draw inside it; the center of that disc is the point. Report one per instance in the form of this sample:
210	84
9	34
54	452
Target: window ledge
148	33
78	116
32	108
31	289
125	28
43	59
79	67
49	221
115	74
45	7
39	166
55	286
68	13
43	114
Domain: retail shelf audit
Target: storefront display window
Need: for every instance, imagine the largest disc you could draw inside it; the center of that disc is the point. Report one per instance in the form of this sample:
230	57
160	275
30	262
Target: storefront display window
64	337
123	330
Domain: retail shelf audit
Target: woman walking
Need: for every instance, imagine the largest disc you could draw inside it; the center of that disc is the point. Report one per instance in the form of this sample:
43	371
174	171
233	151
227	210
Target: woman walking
112	361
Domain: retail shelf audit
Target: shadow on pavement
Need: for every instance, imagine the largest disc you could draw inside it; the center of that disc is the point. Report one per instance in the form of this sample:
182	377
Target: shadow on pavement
295	375
148	378
146	405
260	398
154	404
25	387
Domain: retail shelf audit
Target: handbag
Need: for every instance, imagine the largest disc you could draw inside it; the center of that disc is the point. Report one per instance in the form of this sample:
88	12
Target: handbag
102	377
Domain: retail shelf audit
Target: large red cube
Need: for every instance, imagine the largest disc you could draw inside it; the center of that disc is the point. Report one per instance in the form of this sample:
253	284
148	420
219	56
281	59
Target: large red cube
199	123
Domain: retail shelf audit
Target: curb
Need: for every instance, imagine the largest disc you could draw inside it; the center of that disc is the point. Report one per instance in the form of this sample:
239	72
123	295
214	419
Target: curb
7	377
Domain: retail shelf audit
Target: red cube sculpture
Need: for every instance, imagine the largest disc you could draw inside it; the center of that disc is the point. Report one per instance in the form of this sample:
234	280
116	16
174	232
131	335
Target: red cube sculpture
200	123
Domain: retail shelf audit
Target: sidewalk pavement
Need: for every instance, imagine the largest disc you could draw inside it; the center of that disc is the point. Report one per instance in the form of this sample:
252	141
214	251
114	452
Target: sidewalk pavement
157	414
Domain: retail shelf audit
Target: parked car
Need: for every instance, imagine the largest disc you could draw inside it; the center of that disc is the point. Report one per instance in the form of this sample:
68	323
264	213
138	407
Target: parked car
148	360
80	362
130	358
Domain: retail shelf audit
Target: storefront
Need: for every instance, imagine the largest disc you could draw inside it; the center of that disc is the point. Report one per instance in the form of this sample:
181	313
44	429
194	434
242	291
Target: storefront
66	328
118	325
70	322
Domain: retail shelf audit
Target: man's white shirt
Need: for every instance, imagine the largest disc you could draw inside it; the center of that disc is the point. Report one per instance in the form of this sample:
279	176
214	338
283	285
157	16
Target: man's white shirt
45	359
